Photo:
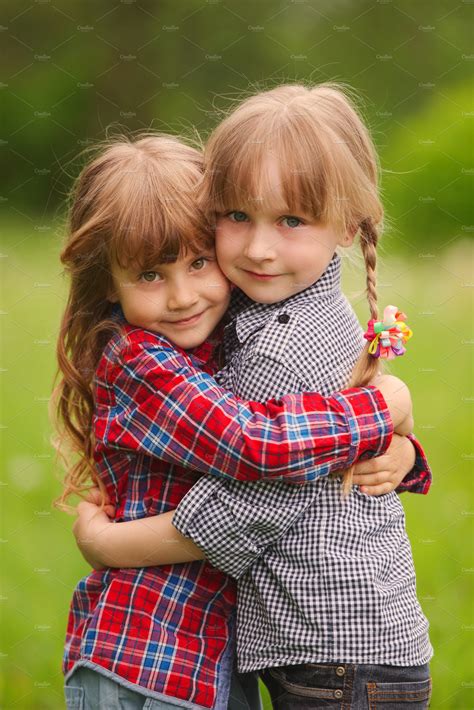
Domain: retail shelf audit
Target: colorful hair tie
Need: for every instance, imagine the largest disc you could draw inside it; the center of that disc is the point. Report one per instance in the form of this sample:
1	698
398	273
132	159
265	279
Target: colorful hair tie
388	335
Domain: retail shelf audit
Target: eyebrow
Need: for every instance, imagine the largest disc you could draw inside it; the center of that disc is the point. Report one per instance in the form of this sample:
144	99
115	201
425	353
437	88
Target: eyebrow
285	210
278	210
189	259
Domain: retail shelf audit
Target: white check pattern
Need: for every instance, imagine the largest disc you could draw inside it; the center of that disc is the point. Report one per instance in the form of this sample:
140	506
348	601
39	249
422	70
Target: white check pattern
320	579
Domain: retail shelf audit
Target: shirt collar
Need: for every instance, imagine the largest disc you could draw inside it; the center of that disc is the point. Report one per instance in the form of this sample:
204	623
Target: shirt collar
248	316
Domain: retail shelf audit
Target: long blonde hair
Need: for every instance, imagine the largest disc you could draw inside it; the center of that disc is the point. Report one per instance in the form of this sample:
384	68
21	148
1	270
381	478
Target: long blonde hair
328	168
134	203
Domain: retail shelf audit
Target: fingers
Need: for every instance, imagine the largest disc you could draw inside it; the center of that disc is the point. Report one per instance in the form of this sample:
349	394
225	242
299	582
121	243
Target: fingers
373	479
396	445
93	495
85	507
88	508
364	468
110	510
377	490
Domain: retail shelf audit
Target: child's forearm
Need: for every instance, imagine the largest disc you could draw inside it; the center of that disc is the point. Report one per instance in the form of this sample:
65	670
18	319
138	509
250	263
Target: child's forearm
145	542
398	399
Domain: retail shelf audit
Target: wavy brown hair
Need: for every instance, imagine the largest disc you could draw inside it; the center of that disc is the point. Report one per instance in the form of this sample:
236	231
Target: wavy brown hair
328	168
135	204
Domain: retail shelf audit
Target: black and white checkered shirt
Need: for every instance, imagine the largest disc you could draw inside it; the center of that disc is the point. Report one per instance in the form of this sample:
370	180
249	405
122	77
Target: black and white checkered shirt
320	578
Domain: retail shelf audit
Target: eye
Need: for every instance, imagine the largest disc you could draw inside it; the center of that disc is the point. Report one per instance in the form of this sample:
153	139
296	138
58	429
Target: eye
291	221
237	216
200	263
149	276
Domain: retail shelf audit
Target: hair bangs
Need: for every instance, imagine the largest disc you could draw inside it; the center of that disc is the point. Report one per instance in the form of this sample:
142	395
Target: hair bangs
282	164
245	181
157	219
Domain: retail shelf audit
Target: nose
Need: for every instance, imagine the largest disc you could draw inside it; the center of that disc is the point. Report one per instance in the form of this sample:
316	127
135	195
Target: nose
261	244
181	295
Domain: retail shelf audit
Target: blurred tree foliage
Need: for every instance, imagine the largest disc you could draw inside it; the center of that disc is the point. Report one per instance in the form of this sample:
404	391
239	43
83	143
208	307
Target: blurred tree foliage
76	70
430	170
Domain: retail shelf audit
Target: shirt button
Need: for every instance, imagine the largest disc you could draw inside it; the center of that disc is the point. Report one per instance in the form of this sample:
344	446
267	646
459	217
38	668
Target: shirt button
283	318
338	694
340	670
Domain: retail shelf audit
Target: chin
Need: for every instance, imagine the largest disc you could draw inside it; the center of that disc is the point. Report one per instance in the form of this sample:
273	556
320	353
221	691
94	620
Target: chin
193	341
268	299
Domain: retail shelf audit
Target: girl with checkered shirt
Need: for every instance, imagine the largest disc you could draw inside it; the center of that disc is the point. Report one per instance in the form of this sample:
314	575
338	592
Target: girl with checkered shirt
327	608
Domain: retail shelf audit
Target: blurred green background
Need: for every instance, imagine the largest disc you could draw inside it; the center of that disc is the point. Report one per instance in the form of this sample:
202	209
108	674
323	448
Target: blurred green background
73	72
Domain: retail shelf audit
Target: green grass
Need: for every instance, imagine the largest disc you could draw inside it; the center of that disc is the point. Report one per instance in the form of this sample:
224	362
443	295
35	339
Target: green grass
39	561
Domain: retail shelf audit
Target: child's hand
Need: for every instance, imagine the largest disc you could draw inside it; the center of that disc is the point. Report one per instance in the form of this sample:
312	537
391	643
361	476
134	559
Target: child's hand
385	473
90	531
93	495
398	399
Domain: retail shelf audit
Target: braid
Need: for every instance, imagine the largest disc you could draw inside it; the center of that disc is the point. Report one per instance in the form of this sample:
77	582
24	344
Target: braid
366	366
368	241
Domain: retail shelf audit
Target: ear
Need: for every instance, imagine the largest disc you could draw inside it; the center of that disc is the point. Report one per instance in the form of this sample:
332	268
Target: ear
112	295
348	237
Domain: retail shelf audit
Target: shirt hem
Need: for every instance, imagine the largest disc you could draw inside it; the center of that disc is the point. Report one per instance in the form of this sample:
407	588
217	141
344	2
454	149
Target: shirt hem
246	666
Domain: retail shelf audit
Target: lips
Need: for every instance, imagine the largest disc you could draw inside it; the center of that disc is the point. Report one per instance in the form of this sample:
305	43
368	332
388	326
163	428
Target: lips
260	276
186	321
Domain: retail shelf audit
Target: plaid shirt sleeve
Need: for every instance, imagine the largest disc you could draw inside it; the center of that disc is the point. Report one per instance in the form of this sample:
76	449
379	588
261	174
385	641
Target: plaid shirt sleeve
166	408
418	480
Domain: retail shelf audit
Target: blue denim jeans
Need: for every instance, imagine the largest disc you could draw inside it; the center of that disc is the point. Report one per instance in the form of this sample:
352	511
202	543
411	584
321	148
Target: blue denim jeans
344	686
87	689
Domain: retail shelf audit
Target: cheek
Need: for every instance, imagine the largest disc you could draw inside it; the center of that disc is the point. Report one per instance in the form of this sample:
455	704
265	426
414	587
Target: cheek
222	289
214	285
225	299
311	254
130	311
145	300
227	249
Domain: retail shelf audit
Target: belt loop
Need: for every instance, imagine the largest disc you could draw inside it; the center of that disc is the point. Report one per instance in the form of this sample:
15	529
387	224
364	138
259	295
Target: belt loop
349	674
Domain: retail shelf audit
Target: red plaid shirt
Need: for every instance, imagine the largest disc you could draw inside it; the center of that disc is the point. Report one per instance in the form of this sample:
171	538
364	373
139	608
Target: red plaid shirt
159	420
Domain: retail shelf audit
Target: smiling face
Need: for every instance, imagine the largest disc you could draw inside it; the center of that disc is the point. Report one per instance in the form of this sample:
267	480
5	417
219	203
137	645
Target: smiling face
271	254
182	300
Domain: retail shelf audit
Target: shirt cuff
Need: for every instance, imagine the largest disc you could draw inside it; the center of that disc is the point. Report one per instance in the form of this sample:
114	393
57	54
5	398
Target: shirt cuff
369	420
418	480
210	523
195	498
